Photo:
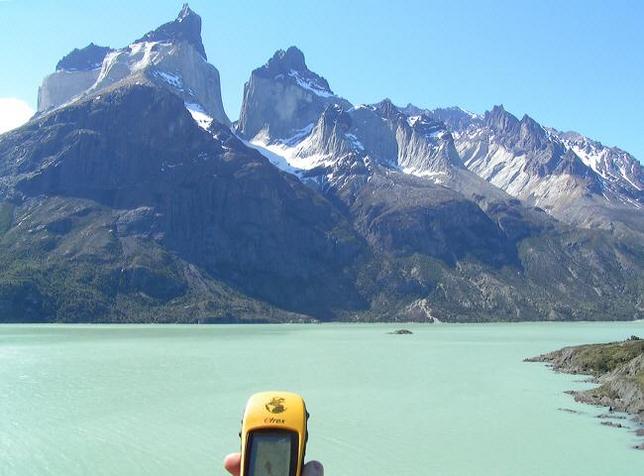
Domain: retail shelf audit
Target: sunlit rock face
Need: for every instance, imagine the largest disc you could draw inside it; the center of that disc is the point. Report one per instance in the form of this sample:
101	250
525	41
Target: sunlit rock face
284	96
131	197
572	178
172	56
75	73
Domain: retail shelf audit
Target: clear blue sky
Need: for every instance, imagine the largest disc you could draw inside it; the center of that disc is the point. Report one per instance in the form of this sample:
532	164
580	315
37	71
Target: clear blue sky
570	64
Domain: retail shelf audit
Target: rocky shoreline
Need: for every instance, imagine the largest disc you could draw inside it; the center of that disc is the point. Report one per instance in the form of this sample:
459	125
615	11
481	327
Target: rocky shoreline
617	368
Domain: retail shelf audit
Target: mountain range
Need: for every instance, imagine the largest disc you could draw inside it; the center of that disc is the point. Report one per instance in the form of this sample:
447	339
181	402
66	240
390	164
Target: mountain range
132	197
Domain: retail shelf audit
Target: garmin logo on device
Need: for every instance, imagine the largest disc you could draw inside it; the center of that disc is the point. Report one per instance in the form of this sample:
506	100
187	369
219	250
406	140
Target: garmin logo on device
276	405
273	420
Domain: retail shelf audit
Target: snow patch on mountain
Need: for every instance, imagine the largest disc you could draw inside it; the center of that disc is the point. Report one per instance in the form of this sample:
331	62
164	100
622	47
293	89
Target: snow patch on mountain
296	151
310	84
146	53
439	178
610	163
171	56
507	170
355	142
172	79
274	158
306	149
199	115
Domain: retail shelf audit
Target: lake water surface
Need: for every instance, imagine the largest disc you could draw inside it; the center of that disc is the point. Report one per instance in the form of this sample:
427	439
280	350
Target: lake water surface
448	400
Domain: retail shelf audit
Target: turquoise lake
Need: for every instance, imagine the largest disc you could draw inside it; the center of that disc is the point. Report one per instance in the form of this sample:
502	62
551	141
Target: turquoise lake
451	400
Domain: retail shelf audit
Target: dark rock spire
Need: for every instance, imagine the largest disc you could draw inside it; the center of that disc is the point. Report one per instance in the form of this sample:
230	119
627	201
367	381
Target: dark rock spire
187	27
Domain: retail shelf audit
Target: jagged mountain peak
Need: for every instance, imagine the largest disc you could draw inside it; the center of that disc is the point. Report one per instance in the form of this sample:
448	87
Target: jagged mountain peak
426	124
171	57
83	59
291	59
290	65
387	109
532	125
336	114
283	97
186	27
532	133
573	178
455	118
413	110
529	120
577	138
420	120
387	192
186	12
613	164
501	120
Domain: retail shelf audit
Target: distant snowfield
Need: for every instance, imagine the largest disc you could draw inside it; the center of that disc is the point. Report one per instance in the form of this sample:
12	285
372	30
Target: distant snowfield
311	85
13	113
292	155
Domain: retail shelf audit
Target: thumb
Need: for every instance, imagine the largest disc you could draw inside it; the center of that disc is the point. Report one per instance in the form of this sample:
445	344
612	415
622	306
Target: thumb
313	468
232	463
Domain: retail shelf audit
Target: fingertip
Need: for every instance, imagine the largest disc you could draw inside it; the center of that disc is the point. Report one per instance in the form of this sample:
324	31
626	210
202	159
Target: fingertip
232	463
313	468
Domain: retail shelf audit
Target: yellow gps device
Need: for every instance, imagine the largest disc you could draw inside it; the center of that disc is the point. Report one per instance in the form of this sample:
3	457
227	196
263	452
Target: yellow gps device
274	435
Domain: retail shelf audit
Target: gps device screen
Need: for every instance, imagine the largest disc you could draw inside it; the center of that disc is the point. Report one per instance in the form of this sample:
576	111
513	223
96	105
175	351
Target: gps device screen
272	453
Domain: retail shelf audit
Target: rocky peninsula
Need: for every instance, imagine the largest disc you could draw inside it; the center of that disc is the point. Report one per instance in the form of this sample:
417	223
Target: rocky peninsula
617	368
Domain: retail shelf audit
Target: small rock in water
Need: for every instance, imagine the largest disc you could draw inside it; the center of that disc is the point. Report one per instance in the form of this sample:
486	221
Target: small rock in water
613	424
401	332
612	416
568	410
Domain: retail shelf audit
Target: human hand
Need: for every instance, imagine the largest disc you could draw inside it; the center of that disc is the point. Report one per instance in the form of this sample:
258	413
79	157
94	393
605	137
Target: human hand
232	463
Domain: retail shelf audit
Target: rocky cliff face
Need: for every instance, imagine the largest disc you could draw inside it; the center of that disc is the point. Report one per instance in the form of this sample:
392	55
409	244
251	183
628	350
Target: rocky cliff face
538	166
396	173
619	170
380	134
283	97
134	200
75	73
156	177
172	56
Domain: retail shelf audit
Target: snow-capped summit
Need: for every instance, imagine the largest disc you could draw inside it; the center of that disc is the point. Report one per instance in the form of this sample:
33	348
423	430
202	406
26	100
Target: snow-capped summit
455	118
571	177
186	27
377	217
611	163
290	65
284	96
171	57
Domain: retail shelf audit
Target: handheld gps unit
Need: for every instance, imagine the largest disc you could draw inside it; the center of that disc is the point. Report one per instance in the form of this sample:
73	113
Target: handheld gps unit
274	435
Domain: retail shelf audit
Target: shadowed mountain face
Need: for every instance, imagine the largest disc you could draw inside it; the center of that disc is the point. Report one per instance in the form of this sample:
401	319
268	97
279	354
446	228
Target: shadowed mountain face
129	198
85	59
201	196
